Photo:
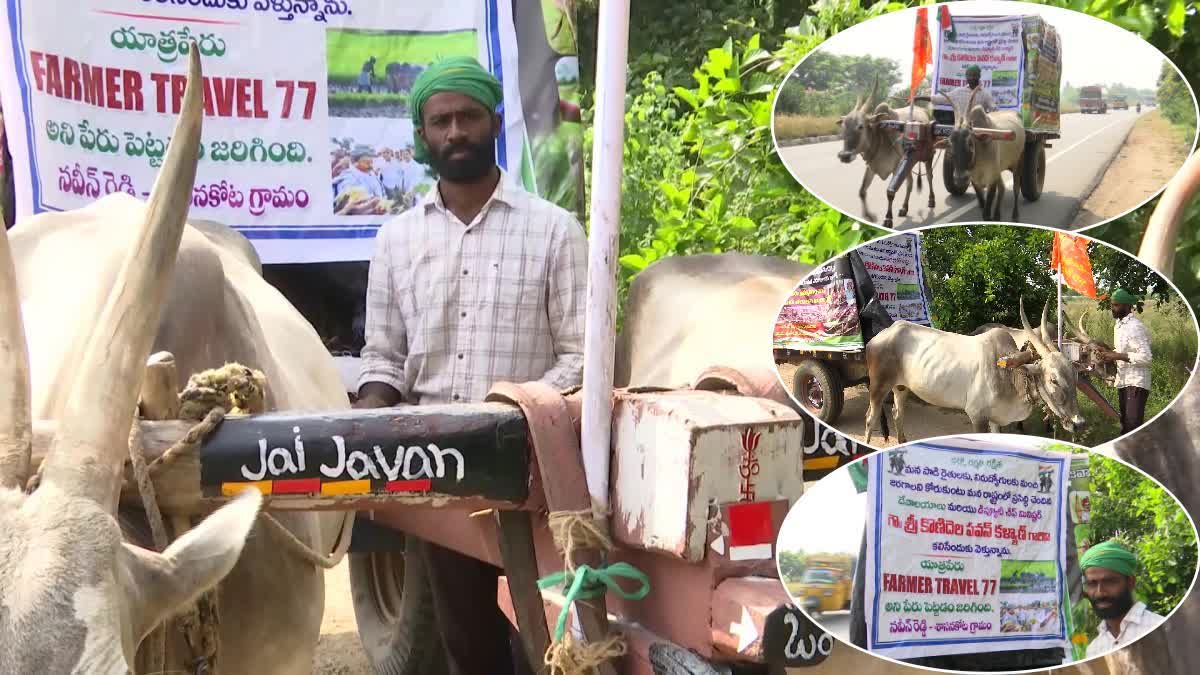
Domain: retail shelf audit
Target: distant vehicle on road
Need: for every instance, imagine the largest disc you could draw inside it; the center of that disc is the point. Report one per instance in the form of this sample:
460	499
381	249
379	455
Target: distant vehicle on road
1091	100
1119	103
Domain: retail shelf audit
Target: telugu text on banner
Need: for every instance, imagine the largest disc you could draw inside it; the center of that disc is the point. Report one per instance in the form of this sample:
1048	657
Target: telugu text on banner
966	549
307	143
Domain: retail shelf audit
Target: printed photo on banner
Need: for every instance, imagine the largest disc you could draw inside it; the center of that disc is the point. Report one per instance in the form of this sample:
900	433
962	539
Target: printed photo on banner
979	112
974	328
372	167
962	553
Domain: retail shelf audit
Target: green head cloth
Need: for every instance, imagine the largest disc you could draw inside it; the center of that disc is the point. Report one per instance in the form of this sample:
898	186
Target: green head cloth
1123	297
1112	556
459	74
974	70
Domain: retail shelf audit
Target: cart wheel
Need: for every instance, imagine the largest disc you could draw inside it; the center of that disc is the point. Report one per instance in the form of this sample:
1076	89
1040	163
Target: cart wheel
393	607
1033	171
669	659
948	176
819	389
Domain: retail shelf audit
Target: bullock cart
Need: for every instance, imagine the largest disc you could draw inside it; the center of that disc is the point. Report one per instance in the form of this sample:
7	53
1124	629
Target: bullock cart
1025	80
701	480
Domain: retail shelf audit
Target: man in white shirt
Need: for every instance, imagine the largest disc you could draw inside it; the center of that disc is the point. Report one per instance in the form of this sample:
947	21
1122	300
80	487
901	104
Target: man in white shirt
962	95
1132	355
391	174
480	282
1109	571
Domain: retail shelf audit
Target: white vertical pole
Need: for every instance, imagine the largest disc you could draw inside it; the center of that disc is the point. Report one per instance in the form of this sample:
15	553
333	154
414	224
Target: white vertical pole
1060	308
599	342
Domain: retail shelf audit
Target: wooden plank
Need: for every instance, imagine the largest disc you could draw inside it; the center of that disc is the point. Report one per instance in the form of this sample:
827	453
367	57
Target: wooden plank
520	567
472	455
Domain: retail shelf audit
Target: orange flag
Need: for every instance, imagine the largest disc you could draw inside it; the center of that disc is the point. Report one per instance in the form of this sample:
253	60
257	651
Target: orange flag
922	51
1070	257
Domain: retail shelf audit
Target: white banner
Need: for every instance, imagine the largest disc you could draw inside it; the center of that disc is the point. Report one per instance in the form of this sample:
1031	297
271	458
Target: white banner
992	43
296	92
895	267
966	549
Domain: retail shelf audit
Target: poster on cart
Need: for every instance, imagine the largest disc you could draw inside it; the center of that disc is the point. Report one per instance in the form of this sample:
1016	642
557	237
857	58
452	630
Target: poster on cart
307	141
966	549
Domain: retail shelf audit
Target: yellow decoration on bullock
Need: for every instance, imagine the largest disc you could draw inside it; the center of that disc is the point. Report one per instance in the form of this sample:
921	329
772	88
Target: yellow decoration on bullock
234	387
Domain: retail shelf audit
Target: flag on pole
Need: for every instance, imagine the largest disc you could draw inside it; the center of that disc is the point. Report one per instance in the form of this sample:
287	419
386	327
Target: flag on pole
1069	257
946	22
922	52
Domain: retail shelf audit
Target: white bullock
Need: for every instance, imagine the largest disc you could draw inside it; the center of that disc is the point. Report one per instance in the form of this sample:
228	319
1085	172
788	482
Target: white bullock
100	289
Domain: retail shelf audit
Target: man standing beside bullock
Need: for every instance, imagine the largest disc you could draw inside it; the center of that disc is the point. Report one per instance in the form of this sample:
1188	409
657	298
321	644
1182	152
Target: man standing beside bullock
480	282
1132	357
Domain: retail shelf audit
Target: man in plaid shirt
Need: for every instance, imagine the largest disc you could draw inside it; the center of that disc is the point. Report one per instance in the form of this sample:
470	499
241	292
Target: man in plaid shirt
480	282
1132	356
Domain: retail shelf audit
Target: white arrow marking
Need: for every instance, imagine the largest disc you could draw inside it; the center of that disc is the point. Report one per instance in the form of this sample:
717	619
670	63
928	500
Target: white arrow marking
745	630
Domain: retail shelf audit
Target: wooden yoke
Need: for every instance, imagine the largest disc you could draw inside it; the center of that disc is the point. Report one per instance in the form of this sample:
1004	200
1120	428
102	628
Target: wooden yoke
556	447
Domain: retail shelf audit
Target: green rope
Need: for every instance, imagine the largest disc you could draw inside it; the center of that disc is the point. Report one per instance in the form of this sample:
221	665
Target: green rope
587	583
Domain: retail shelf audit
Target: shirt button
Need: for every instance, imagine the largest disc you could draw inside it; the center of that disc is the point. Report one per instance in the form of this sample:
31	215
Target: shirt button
456	397
464	315
460	356
464	273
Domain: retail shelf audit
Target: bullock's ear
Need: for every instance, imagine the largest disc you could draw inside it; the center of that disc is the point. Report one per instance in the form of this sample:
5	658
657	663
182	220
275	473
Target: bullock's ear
161	585
877	116
840	121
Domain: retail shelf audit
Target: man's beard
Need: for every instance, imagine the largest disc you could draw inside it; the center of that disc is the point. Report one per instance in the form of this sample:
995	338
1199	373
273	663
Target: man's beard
1120	605
1120	314
480	159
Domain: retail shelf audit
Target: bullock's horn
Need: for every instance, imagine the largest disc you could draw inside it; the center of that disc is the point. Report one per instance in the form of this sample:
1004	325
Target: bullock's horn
1162	232
87	454
1078	330
1042	330
874	91
1036	338
16	427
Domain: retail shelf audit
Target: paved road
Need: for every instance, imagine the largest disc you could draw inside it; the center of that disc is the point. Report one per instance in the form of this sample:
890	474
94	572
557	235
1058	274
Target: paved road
837	623
1073	168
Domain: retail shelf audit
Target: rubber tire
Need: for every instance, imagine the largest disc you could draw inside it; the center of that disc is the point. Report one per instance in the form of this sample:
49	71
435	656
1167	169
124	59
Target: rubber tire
669	659
412	645
830	383
948	175
1033	164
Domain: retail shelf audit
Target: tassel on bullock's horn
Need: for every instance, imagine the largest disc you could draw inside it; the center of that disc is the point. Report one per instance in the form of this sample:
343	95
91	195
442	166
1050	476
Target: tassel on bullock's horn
16	426
88	453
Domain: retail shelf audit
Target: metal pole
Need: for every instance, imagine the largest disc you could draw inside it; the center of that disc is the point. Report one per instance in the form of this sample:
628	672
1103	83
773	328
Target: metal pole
1058	321
599	342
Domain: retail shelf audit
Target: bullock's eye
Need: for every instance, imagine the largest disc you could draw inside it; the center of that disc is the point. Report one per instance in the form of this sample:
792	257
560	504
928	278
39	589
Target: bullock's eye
1054	381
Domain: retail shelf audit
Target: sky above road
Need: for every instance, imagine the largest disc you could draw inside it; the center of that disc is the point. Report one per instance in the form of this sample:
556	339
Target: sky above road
1093	50
829	518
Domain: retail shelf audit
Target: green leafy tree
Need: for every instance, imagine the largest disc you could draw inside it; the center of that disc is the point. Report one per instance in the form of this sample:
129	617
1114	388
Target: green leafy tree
791	565
1152	522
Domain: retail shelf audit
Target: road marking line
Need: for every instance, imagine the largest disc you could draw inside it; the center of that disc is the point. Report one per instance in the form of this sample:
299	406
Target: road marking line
974	204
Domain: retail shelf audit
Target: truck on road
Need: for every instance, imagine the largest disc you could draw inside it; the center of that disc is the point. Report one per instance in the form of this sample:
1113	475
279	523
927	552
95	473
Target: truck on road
1091	100
1120	103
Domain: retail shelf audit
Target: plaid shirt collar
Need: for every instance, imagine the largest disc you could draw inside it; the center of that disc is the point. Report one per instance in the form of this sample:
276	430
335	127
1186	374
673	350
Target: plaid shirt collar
505	193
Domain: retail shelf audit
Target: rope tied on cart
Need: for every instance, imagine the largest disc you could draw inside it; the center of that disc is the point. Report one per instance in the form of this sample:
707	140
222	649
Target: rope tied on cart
583	582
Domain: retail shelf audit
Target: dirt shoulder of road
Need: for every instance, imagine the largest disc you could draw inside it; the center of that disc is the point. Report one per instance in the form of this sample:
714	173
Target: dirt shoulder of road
338	651
1149	157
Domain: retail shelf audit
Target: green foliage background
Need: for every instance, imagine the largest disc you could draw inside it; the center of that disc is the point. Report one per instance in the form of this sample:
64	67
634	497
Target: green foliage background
348	49
1149	520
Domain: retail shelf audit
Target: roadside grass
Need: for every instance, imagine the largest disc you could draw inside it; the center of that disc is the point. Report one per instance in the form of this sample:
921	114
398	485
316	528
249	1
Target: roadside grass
1173	344
791	127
